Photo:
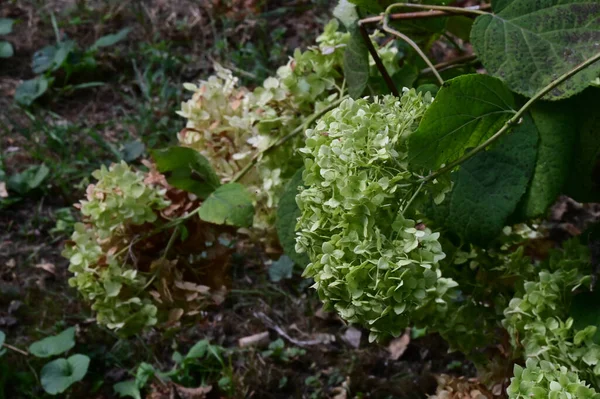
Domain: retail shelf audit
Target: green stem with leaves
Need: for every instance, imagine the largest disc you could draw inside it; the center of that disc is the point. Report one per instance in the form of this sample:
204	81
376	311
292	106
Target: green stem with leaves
515	119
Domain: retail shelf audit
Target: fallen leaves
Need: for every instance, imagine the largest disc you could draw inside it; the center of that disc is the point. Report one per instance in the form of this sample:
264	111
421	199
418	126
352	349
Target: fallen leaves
352	337
450	387
398	346
255	340
49	267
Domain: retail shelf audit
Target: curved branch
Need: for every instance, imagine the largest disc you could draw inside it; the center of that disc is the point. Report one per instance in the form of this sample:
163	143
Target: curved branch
408	40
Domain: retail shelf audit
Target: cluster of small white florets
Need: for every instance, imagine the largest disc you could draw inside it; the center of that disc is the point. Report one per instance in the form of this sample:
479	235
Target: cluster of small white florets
229	124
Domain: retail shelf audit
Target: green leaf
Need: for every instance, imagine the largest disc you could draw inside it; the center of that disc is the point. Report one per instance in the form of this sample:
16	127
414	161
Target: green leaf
31	89
428	87
585	312
229	204
110	40
583	184
63	49
6	49
287	217
460	26
145	372
346	13
6	25
43	59
127	388
554	123
489	186
132	150
528	43
2	338
281	269
356	64
28	180
370	6
406	76
187	169
198	350
54	345
60	374
466	111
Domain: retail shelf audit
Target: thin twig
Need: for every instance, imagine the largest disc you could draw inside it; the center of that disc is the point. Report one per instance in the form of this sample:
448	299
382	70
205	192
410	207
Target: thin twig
171	241
424	14
408	40
451	63
12	348
515	119
285	139
384	73
271	324
448	9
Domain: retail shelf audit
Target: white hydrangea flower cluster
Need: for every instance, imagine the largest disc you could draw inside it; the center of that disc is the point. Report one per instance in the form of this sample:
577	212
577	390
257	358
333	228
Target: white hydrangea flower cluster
371	264
229	124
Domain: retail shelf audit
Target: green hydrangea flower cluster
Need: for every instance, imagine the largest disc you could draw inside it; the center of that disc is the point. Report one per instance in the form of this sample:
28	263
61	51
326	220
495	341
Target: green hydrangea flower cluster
545	380
229	124
120	199
374	266
537	318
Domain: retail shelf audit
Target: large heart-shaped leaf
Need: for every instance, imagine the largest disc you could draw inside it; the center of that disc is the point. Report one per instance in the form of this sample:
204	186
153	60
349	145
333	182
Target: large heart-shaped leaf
488	187
187	169
356	63
583	183
554	123
60	374
529	43
54	345
467	110
229	204
287	218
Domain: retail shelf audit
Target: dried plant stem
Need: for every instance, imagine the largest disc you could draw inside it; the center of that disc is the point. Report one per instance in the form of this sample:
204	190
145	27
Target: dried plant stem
426	14
15	349
386	76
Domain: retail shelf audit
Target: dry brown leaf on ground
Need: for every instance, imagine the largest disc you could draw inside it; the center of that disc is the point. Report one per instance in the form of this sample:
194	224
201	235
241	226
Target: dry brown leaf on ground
450	387
352	337
398	346
260	339
192	393
49	267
